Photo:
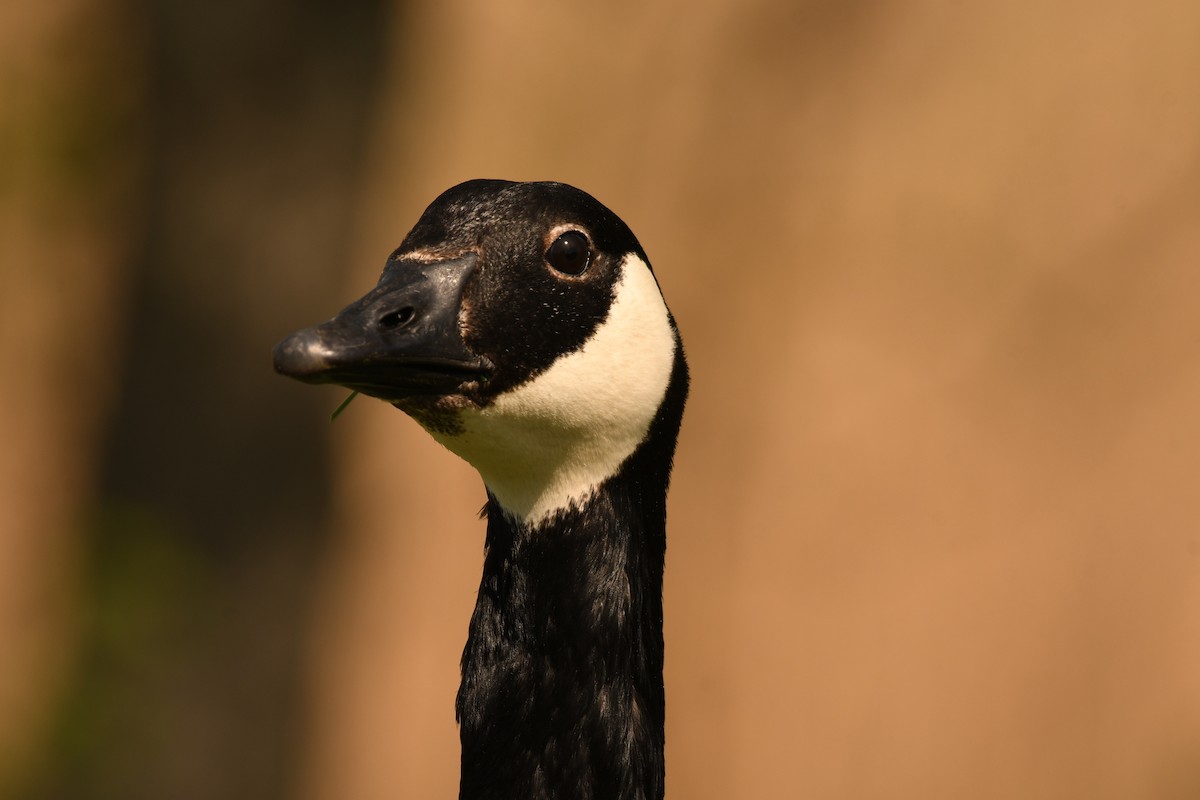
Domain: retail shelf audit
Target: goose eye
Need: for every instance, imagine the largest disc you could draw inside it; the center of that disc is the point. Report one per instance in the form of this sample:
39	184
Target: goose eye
570	254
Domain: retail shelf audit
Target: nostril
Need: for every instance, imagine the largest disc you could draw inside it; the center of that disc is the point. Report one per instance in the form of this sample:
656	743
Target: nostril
395	319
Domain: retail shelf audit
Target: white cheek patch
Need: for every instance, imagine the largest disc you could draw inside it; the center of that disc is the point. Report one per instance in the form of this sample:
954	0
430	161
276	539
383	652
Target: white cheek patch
549	443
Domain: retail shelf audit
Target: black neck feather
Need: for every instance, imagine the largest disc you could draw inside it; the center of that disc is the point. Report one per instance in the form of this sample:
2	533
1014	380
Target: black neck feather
562	689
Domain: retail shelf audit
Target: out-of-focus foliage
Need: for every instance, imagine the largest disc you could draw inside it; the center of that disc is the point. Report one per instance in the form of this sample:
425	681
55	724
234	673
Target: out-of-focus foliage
178	189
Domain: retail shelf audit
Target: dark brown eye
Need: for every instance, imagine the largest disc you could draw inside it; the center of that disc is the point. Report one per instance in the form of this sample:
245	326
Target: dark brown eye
570	254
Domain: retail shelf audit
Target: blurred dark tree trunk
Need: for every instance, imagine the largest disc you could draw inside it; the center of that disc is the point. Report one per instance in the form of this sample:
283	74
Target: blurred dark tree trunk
200	539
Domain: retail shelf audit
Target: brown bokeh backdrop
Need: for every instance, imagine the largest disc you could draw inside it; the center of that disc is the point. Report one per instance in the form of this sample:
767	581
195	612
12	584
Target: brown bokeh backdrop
934	528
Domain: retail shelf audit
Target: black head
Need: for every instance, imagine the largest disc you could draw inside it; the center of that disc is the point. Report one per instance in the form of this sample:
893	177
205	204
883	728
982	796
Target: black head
521	325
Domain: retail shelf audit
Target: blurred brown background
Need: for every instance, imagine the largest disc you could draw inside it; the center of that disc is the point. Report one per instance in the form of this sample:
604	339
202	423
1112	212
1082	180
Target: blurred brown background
935	529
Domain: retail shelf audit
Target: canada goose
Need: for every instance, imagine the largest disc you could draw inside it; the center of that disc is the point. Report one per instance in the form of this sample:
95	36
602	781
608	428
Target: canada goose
521	326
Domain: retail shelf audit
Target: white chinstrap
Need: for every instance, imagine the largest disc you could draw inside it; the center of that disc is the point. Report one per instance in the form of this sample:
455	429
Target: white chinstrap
551	442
